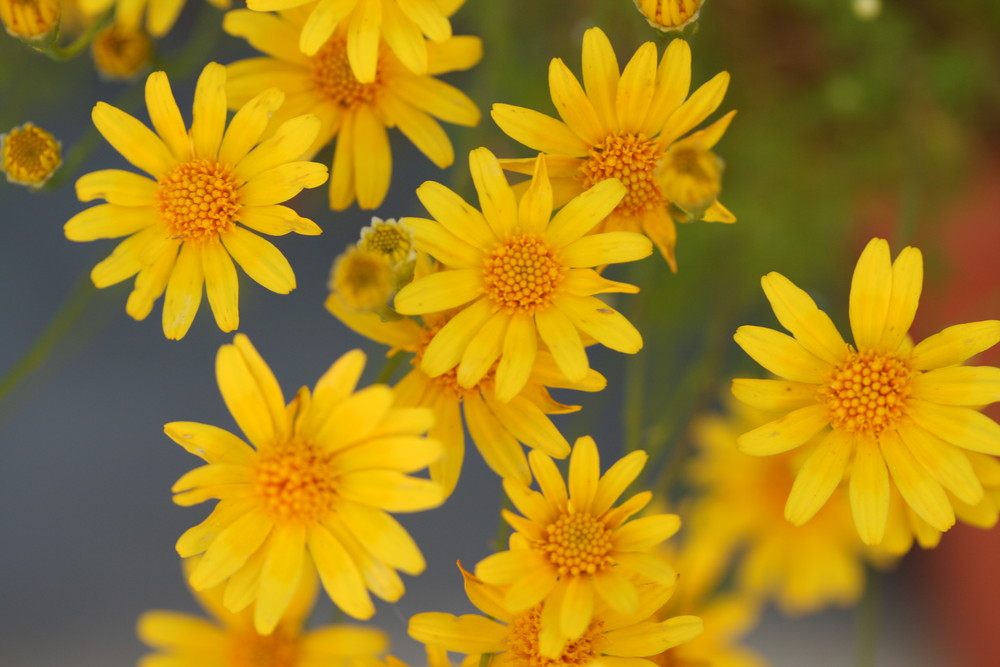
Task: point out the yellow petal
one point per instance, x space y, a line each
198 538
577 606
466 634
268 33
425 133
351 420
782 355
871 289
798 313
496 199
816 481
281 183
390 490
184 289
221 285
279 578
404 38
230 549
774 395
587 282
321 22
456 215
785 433
645 532
108 221
137 143
600 75
646 638
959 385
383 536
538 131
947 464
499 448
636 88
924 495
440 291
702 103
211 443
458 53
955 344
362 39
572 104
617 478
123 188
584 473
596 318
339 573
606 248
276 220
583 212
260 259
535 207
433 238
907 281
150 283
166 117
483 350
560 335
445 350
673 81
373 165
869 492
288 143
249 395
209 111
520 346
960 426
429 16
530 425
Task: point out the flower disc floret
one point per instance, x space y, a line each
522 274
29 155
631 158
333 78
577 543
525 651
198 200
296 481
867 393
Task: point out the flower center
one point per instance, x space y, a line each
363 279
691 177
578 544
522 274
388 238
279 649
296 482
449 379
868 392
631 158
198 200
522 640
30 155
333 78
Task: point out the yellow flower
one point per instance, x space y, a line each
885 407
727 618
403 26
496 428
314 491
519 274
161 15
186 640
572 549
121 54
626 125
391 238
363 279
29 155
182 227
737 521
611 636
357 114
670 14
33 20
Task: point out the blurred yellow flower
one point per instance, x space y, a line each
212 187
314 490
520 274
670 14
186 640
363 279
29 155
627 125
572 550
356 114
496 428
403 26
33 20
120 54
161 15
612 636
885 406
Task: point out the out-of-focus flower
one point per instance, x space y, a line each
357 114
32 20
624 638
670 14
119 53
212 186
572 549
629 125
29 155
186 640
885 407
363 279
161 15
519 274
313 492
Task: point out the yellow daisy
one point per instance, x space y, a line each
186 640
497 429
736 523
670 14
885 407
403 24
630 125
182 224
315 486
572 548
161 15
611 636
29 155
357 114
520 274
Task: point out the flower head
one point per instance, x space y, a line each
29 155
629 125
519 274
160 15
517 638
313 491
211 189
497 429
670 14
185 640
121 54
32 20
573 547
887 409
357 114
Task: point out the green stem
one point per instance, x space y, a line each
868 615
73 49
62 323
389 368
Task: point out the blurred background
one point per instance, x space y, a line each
855 120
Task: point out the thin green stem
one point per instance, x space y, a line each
62 323
868 619
62 53
485 659
389 368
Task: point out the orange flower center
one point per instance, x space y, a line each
578 544
633 159
198 200
279 649
522 274
868 392
522 640
30 155
333 78
296 482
